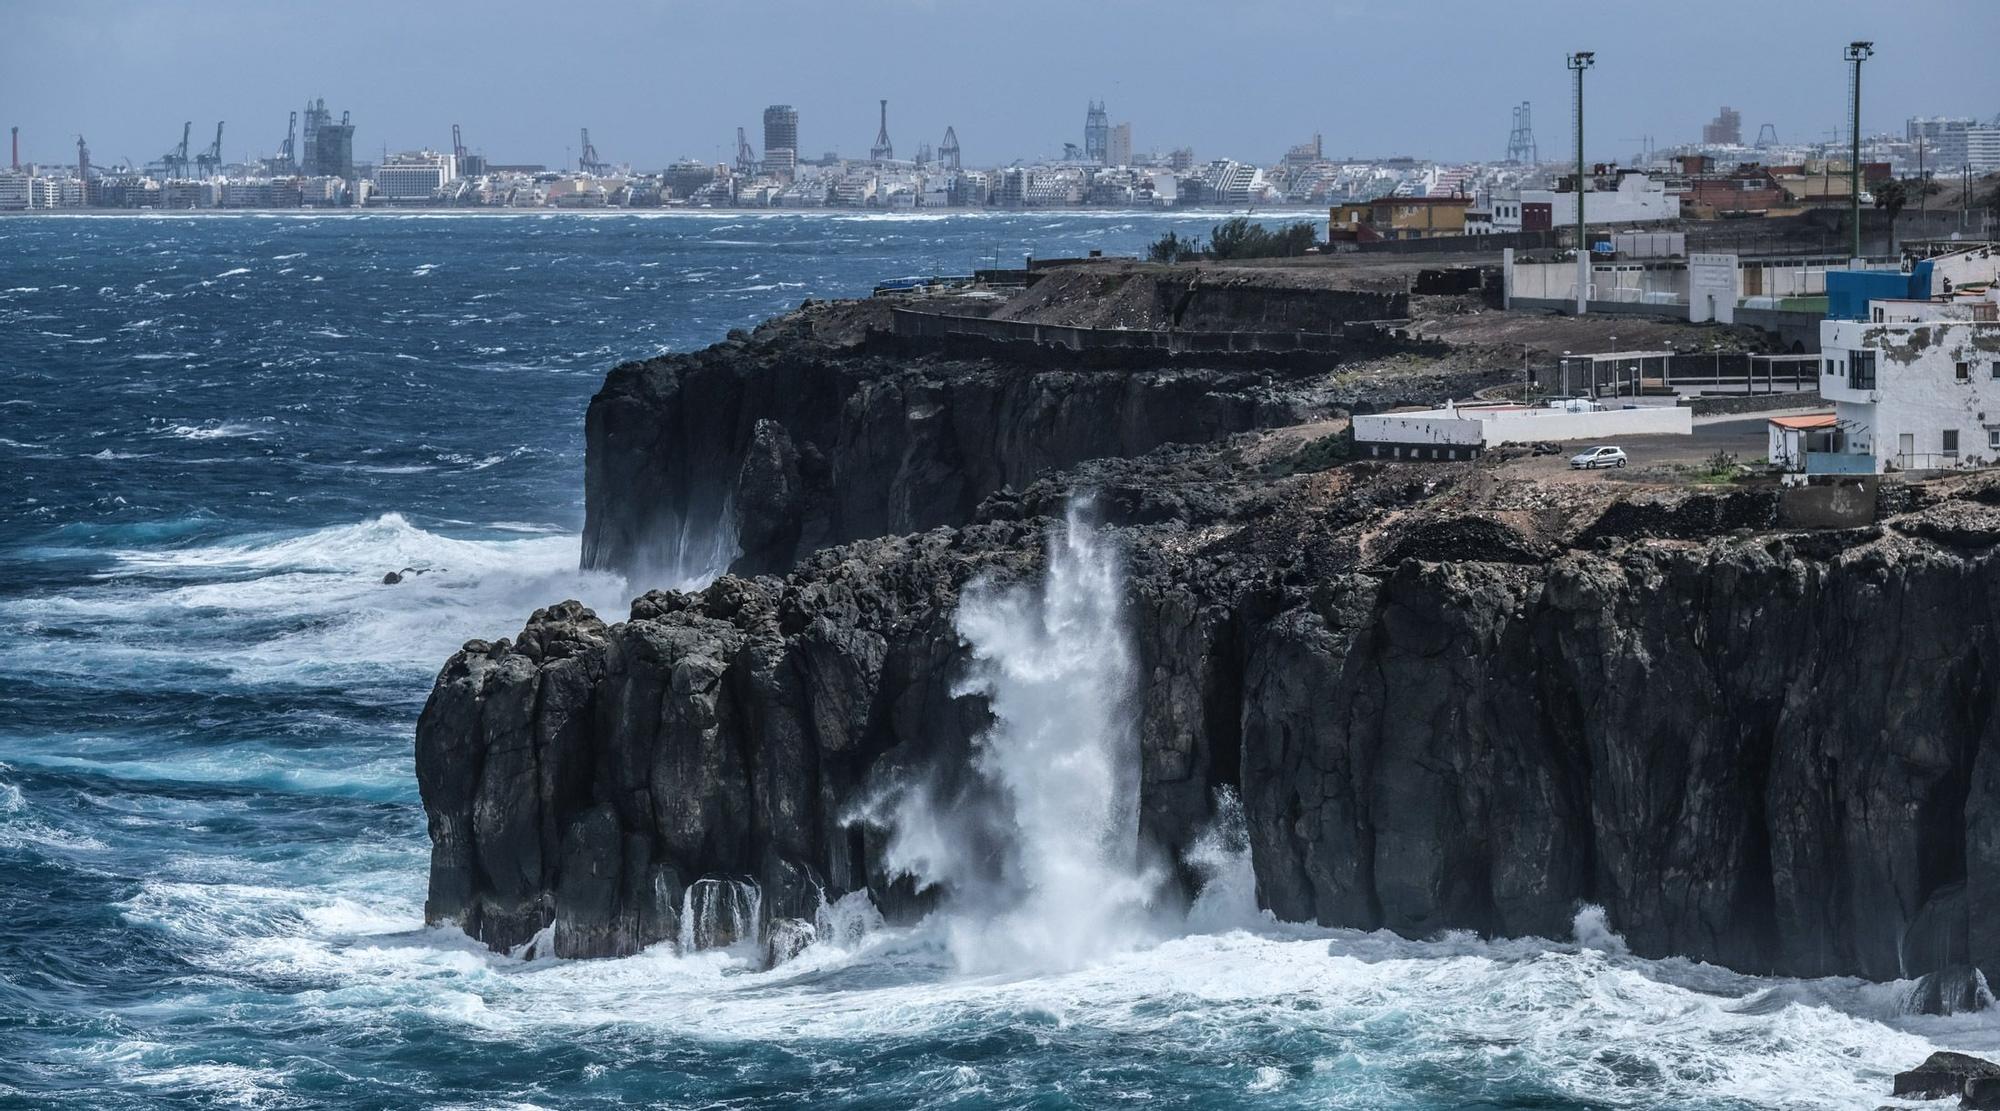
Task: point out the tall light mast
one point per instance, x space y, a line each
1578 62
1857 53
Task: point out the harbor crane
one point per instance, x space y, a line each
746 158
174 163
457 145
288 154
587 161
211 159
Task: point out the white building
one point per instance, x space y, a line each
1637 200
1914 387
414 175
1465 431
15 192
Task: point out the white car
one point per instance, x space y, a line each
1589 459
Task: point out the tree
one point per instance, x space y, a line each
1172 248
1892 196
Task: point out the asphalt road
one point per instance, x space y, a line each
1745 437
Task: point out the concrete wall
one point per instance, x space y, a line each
1842 502
1491 428
1346 338
1532 425
1428 428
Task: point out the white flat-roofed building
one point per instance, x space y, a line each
414 175
1914 387
16 194
1465 431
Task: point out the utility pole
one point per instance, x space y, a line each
1857 53
1578 62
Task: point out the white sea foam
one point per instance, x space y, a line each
1043 870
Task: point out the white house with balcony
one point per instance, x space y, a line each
1916 386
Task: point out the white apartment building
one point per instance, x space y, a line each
15 192
414 175
1637 200
1915 387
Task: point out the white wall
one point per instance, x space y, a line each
1530 425
1714 285
1917 390
1429 427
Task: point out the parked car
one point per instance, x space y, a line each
1589 459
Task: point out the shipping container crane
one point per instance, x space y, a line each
457 144
746 158
288 157
588 161
211 159
174 163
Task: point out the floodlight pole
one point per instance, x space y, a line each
1857 53
1578 62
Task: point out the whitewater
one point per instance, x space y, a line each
219 435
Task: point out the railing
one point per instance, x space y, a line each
1924 460
1839 462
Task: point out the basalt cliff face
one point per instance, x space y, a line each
822 427
1445 698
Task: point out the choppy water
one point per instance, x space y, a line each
217 434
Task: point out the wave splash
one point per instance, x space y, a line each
1045 873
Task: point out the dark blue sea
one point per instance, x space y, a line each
218 433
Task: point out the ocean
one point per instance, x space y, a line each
218 433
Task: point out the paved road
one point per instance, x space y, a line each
1745 437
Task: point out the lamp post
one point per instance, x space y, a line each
1857 53
1578 62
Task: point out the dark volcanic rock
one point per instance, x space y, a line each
1776 756
1944 1076
791 443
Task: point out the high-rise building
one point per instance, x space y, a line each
1943 139
1118 151
1726 129
1096 133
329 147
781 130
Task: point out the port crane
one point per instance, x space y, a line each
174 163
588 161
211 159
746 158
457 145
288 158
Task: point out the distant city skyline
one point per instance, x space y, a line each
660 81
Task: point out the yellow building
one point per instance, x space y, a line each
1398 218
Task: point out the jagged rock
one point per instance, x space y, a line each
1443 705
1771 755
788 937
1946 1076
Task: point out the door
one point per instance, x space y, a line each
1906 449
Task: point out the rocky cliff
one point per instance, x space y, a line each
819 429
1446 702
1447 697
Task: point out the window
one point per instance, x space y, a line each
1965 372
1829 367
1951 441
1996 370
1993 439
1861 370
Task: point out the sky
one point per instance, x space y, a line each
656 80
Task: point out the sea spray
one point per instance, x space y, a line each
1051 877
1226 892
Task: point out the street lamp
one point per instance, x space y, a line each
1578 62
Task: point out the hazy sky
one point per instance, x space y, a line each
664 79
